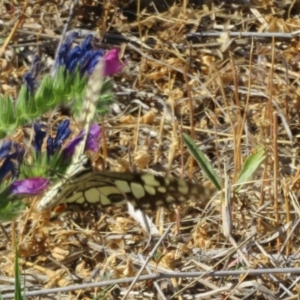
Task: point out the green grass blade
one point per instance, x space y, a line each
202 161
18 289
251 164
11 211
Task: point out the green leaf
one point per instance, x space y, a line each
44 96
202 161
11 210
10 205
60 85
106 98
5 198
251 164
41 166
18 286
25 106
36 167
8 119
63 88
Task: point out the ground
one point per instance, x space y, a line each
211 69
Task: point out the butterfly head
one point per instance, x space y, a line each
52 197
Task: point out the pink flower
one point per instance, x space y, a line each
112 62
30 186
92 143
93 140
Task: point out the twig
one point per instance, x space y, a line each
14 29
147 261
246 34
196 78
234 273
155 283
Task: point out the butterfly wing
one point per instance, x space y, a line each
143 191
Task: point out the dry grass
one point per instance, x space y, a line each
231 93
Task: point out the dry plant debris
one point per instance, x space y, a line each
186 72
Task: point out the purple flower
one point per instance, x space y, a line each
112 62
86 45
93 139
10 166
7 167
73 58
91 64
30 186
92 142
38 137
50 147
82 56
70 148
63 132
65 48
30 77
19 157
30 82
4 149
11 162
86 58
35 66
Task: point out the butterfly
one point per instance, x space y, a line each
82 184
